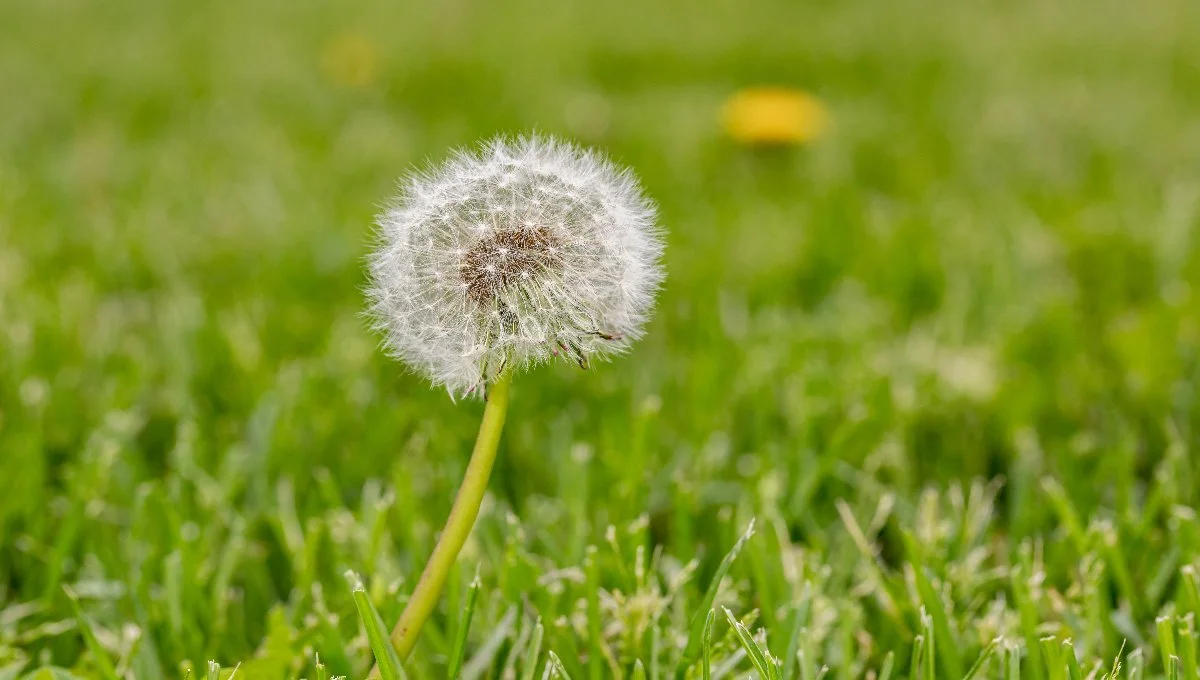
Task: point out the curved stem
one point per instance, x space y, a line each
458 525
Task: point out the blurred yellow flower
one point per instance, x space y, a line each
349 59
774 115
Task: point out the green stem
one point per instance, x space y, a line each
458 525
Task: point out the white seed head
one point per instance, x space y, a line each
505 257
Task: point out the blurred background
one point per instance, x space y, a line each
913 245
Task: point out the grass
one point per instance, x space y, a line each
945 359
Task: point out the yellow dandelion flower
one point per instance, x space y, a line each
774 115
349 60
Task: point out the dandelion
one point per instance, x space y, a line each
774 115
528 250
349 60
499 260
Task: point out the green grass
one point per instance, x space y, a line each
946 358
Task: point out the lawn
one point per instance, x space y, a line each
944 357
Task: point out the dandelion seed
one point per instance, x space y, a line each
576 267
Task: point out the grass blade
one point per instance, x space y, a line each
529 666
984 657
706 645
760 658
89 638
1068 516
386 659
1052 658
1191 589
595 640
929 663
939 623
1166 637
1187 649
464 626
889 664
696 627
1074 672
555 668
481 662
918 652
798 619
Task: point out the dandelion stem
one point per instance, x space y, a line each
461 520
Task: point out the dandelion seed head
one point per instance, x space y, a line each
504 257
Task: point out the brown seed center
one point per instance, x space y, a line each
505 258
